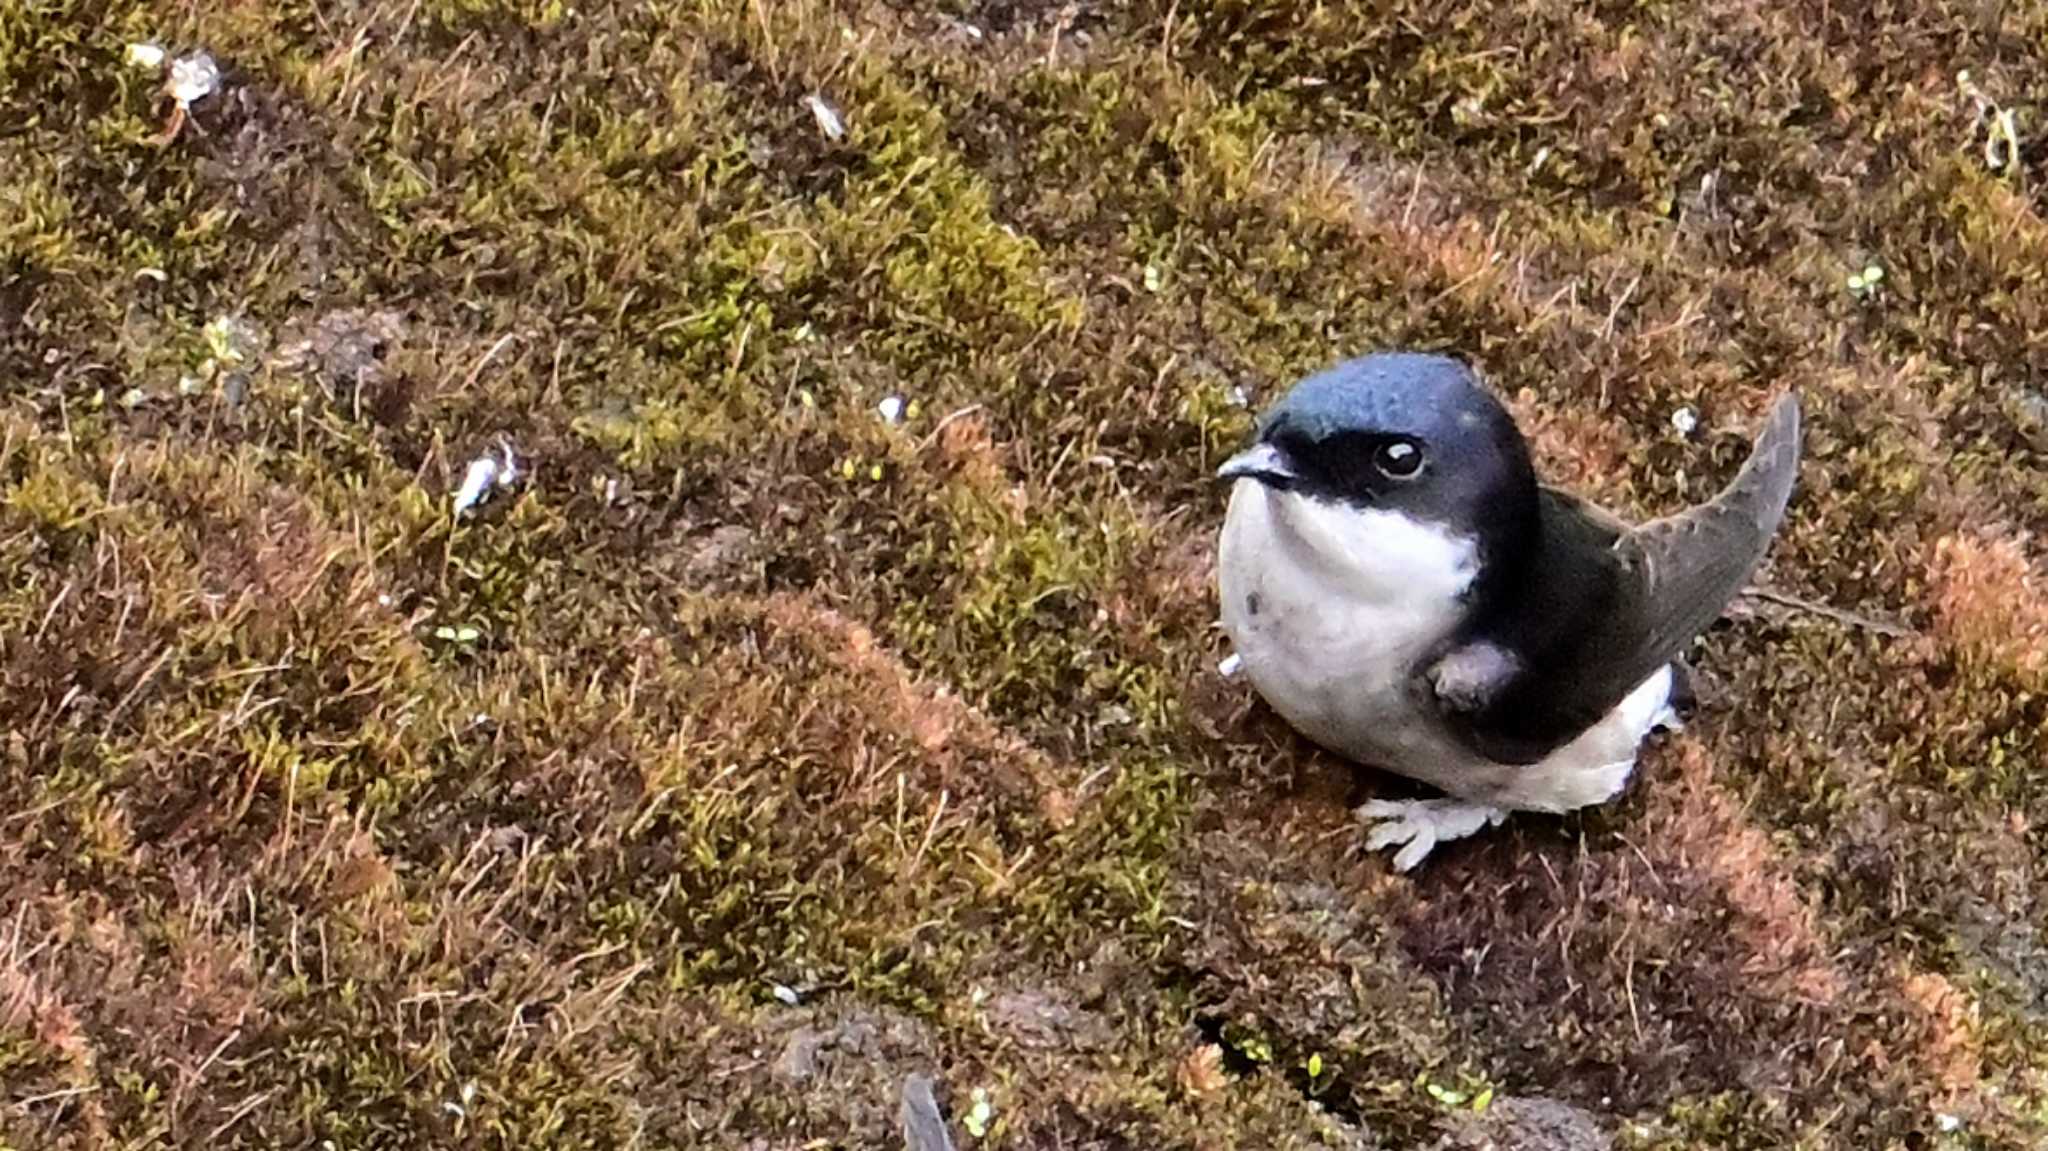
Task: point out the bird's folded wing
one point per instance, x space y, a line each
1654 588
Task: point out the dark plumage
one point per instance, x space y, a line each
1561 612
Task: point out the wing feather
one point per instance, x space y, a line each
1616 615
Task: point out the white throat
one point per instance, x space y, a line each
1331 608
1371 555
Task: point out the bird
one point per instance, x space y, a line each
1398 585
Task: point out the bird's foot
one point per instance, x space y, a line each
1421 824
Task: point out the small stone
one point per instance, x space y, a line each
785 994
1231 665
147 57
1685 421
2032 409
476 483
486 473
891 409
193 78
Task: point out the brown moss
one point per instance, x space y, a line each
1988 598
331 817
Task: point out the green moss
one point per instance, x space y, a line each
742 687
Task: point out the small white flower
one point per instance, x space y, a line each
1949 1124
786 994
1685 421
891 409
827 117
148 57
193 78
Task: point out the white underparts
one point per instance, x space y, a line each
1332 608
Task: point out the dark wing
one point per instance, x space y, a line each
1596 621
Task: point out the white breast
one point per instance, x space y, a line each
1332 608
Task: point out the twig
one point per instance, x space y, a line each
943 424
930 832
121 708
240 1113
53 1096
1613 313
470 381
1838 615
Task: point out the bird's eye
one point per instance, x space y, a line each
1398 460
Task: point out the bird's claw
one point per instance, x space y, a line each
1421 824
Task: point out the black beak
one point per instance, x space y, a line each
1262 462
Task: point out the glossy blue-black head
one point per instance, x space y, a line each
1402 431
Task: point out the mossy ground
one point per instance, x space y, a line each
328 820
